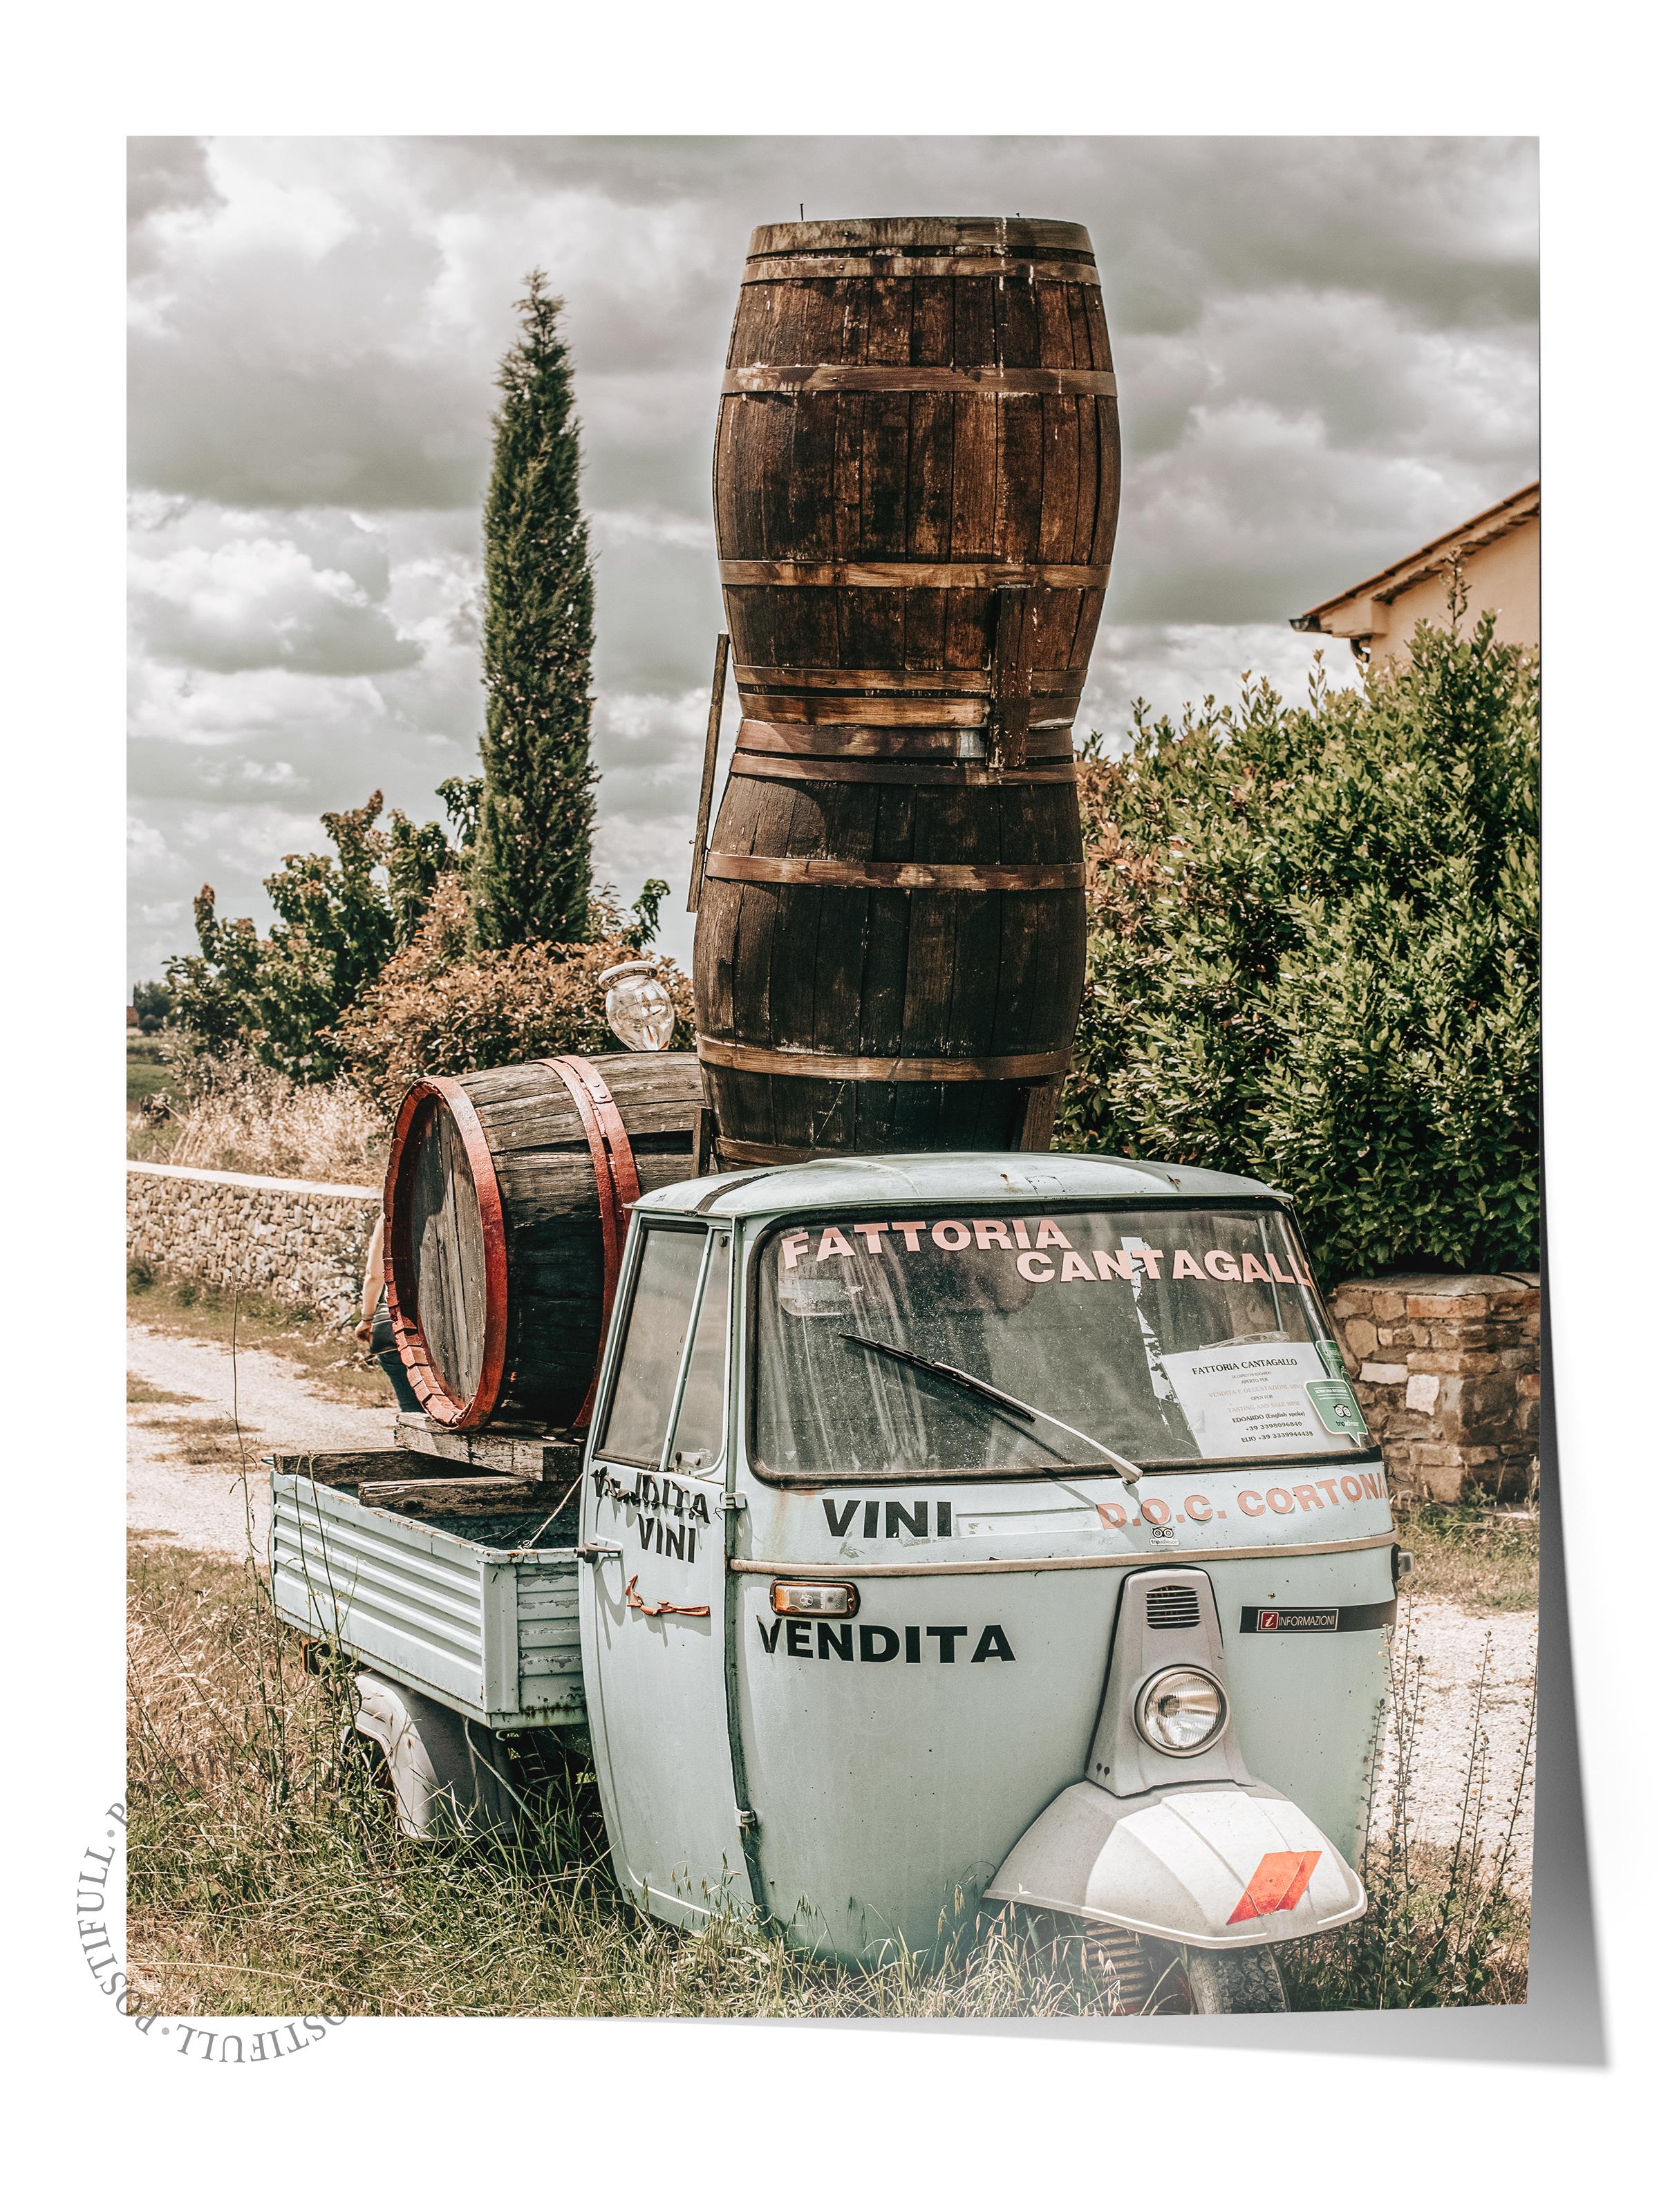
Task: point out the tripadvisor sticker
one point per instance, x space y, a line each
1337 1408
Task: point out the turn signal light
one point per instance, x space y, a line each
817 1599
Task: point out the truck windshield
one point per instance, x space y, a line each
1171 1336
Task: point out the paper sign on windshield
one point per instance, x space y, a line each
1250 1400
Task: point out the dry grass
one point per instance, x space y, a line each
255 1120
1482 1558
148 1139
1446 1926
207 1440
265 1874
140 1393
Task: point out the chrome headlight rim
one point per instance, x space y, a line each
1148 1690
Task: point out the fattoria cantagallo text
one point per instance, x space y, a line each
1042 1252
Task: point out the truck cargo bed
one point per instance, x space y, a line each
477 1607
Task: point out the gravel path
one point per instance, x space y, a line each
1438 1650
184 1485
183 1466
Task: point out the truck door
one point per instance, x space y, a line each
653 1613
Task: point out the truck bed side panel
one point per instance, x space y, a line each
489 1634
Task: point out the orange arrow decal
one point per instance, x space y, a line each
1276 1884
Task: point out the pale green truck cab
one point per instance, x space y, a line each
998 1526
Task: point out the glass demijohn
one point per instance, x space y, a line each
638 1008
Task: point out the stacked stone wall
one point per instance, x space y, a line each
300 1244
1447 1369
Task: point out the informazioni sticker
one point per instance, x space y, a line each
98 1890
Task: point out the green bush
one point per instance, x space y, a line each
444 1004
340 918
153 1003
1314 953
373 968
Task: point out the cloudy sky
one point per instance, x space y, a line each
1326 354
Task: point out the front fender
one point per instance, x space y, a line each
1222 1867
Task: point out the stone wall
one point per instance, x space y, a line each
1447 1367
297 1244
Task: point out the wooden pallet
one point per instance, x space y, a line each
519 1449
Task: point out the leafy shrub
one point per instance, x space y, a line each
373 958
340 917
443 1007
1314 953
153 1003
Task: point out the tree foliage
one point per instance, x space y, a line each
340 917
443 1005
153 1003
1314 953
530 871
373 960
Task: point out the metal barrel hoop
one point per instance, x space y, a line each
615 1181
406 1330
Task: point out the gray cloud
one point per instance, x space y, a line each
261 603
165 175
1326 354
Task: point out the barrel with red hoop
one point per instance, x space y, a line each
506 1200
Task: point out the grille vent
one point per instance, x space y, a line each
1172 1605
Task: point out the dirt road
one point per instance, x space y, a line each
185 1460
185 1485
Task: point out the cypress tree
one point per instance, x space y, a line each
530 871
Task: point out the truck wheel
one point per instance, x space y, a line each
442 1767
1234 1981
1136 1976
1126 1974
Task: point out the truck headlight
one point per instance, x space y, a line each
1182 1711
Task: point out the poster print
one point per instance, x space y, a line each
859 1388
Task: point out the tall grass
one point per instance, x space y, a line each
266 1874
1447 1925
257 1120
266 1871
1480 1556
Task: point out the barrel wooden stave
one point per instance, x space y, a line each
917 415
921 475
965 975
538 1288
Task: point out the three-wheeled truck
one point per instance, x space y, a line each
951 1529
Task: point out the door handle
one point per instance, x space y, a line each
597 1551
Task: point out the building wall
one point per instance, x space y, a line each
299 1244
1503 575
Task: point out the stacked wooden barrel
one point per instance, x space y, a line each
915 494
506 1198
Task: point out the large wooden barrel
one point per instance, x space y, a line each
915 495
505 1202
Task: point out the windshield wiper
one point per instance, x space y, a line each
1003 1402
